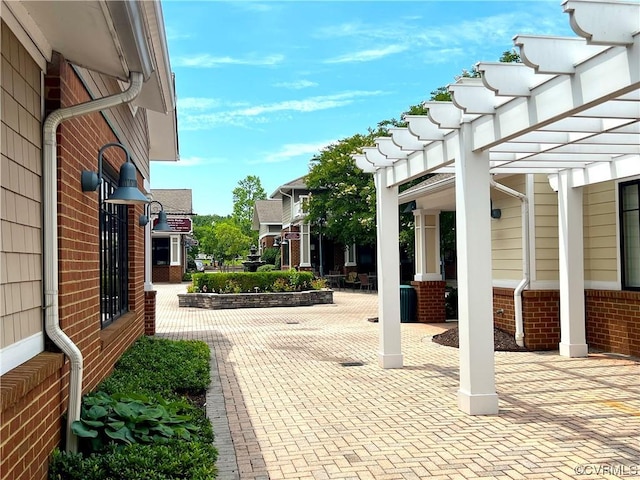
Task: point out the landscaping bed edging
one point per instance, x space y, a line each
219 301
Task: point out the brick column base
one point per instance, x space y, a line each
430 308
150 312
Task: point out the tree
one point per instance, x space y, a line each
342 194
244 198
229 241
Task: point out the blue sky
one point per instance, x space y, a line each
263 86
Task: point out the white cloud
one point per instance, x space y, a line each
257 114
198 103
297 85
294 150
368 55
209 61
175 34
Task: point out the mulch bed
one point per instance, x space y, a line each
503 341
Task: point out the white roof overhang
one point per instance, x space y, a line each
110 37
573 104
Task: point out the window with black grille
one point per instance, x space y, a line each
114 261
630 234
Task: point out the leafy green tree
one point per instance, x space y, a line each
229 241
343 196
244 198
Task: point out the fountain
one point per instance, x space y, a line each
253 260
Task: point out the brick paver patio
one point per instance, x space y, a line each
284 406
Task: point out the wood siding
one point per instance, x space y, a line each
506 231
600 233
21 213
545 253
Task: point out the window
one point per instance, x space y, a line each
630 234
160 251
114 259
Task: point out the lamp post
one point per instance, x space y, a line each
321 222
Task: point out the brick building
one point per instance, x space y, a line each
169 249
87 98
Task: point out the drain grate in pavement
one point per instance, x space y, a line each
352 364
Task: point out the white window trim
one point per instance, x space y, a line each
174 260
21 351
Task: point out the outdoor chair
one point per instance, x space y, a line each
352 280
364 282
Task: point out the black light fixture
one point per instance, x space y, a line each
276 242
161 225
127 192
496 213
411 206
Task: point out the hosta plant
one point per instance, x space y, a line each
132 418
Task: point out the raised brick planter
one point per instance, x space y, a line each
216 301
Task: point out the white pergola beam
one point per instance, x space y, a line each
603 23
510 79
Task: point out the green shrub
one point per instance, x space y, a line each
132 418
161 366
247 281
186 277
451 303
267 267
269 255
174 461
318 283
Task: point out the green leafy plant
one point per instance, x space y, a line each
267 267
318 283
281 285
265 281
231 286
132 418
176 460
160 366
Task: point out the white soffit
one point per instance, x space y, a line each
574 103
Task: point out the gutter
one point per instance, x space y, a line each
526 259
51 259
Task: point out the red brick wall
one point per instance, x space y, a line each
540 316
431 299
34 395
150 312
504 316
613 321
30 417
166 274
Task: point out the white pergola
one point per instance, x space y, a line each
570 110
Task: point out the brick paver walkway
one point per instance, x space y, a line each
285 408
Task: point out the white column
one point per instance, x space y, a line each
477 394
390 355
148 284
305 245
420 244
427 245
573 341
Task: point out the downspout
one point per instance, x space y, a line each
50 210
526 256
